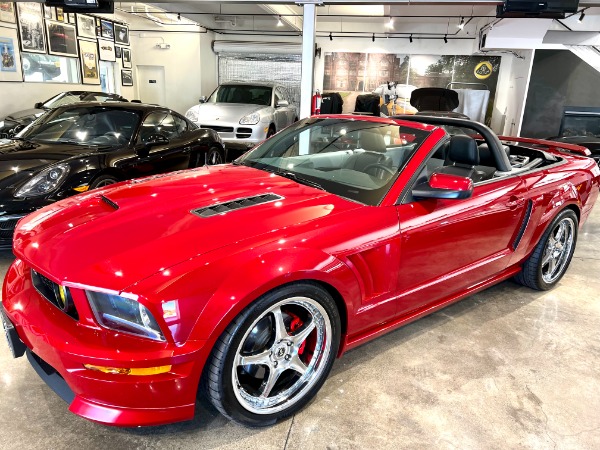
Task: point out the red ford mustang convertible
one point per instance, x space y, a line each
245 281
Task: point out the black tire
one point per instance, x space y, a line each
214 156
271 131
102 180
537 272
253 333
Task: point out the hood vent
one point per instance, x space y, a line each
240 203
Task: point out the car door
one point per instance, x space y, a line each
449 246
161 144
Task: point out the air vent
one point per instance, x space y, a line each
223 208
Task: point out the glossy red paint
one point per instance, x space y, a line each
386 265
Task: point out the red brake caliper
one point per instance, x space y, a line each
294 325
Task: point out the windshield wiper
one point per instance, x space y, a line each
297 179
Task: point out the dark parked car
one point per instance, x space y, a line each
592 143
14 122
81 147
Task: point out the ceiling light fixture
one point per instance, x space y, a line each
410 39
390 24
581 16
279 22
330 36
445 38
461 25
373 38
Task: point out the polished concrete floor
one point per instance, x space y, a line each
506 368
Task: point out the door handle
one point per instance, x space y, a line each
515 202
187 149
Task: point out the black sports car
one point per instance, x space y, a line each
80 147
16 121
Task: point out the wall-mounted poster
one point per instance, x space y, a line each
126 53
10 67
108 31
126 78
31 27
117 52
7 12
60 15
86 27
106 50
88 53
70 18
49 13
121 34
62 39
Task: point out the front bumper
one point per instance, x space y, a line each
61 345
238 137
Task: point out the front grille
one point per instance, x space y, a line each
243 133
218 129
223 208
8 224
52 292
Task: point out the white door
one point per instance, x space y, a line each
151 84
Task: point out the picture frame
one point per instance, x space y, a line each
126 58
126 78
7 12
88 56
60 15
86 27
62 39
107 29
118 52
70 18
49 13
10 57
98 27
31 27
106 50
121 34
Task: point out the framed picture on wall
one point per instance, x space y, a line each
31 27
86 27
106 50
121 34
126 54
88 54
49 13
60 15
7 12
107 29
126 78
62 39
10 67
70 18
117 52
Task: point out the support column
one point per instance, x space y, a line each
308 58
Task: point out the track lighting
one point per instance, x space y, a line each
445 38
461 25
330 36
581 17
373 38
410 39
279 22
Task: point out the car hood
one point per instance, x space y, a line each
224 112
139 228
27 115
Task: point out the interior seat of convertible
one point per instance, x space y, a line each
463 158
373 153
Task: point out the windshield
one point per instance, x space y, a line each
242 93
68 98
97 125
355 159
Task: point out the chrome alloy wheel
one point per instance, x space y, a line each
213 158
558 249
281 356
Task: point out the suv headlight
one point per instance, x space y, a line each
192 115
250 119
44 182
124 315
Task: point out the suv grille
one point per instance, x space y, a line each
218 129
52 292
223 208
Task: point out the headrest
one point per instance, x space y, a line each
485 155
463 150
372 141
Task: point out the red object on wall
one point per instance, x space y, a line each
316 103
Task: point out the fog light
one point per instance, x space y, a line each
129 371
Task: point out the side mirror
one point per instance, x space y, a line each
202 99
282 103
39 105
444 186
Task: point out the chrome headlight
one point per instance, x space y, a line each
44 182
250 119
124 315
192 114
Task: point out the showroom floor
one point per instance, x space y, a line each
506 368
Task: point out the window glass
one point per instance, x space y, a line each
242 93
164 124
48 68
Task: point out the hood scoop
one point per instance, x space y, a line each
240 203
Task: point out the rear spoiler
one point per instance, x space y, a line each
570 148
